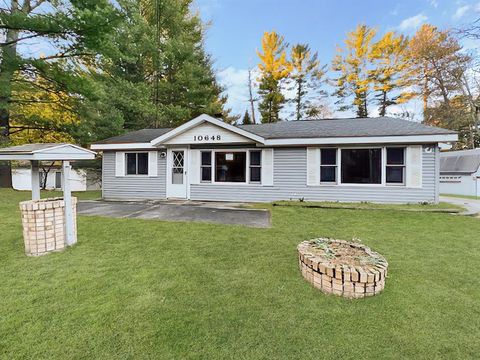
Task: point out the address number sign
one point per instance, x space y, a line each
207 138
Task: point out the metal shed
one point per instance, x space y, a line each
459 172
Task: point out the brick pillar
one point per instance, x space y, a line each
44 225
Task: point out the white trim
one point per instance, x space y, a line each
411 139
52 157
383 182
247 181
125 146
61 146
364 140
199 120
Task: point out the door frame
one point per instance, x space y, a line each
169 184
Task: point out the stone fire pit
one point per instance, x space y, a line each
342 268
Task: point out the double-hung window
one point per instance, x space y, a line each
395 167
255 166
328 166
206 166
137 163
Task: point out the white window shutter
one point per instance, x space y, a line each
153 163
194 167
313 166
267 167
414 166
119 163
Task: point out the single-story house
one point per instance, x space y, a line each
372 159
460 172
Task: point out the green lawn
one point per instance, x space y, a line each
149 289
440 207
462 196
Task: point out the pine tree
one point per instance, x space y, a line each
390 73
307 76
351 64
247 119
274 68
162 75
74 31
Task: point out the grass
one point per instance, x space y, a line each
462 196
136 288
440 207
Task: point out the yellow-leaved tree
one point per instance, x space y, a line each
351 64
390 75
307 77
41 114
274 69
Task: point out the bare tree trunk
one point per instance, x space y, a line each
7 70
383 108
45 172
299 99
251 99
8 66
425 91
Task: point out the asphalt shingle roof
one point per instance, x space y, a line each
28 148
363 127
139 136
353 127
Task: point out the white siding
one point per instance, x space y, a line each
132 186
290 182
459 184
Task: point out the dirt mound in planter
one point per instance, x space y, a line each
342 268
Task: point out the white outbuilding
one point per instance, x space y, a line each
459 172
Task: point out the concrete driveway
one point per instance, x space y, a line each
472 206
221 213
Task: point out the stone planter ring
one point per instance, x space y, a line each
342 268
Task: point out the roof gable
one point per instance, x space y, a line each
205 129
51 152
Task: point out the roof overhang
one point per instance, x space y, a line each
205 119
123 146
59 152
410 139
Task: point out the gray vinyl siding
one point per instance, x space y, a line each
132 187
290 178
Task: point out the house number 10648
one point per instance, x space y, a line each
206 137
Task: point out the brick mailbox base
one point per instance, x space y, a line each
342 268
44 225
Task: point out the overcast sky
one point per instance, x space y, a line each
237 27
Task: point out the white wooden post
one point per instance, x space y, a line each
35 180
67 197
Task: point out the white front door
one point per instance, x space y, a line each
177 173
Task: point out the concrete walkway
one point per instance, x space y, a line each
221 213
472 206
